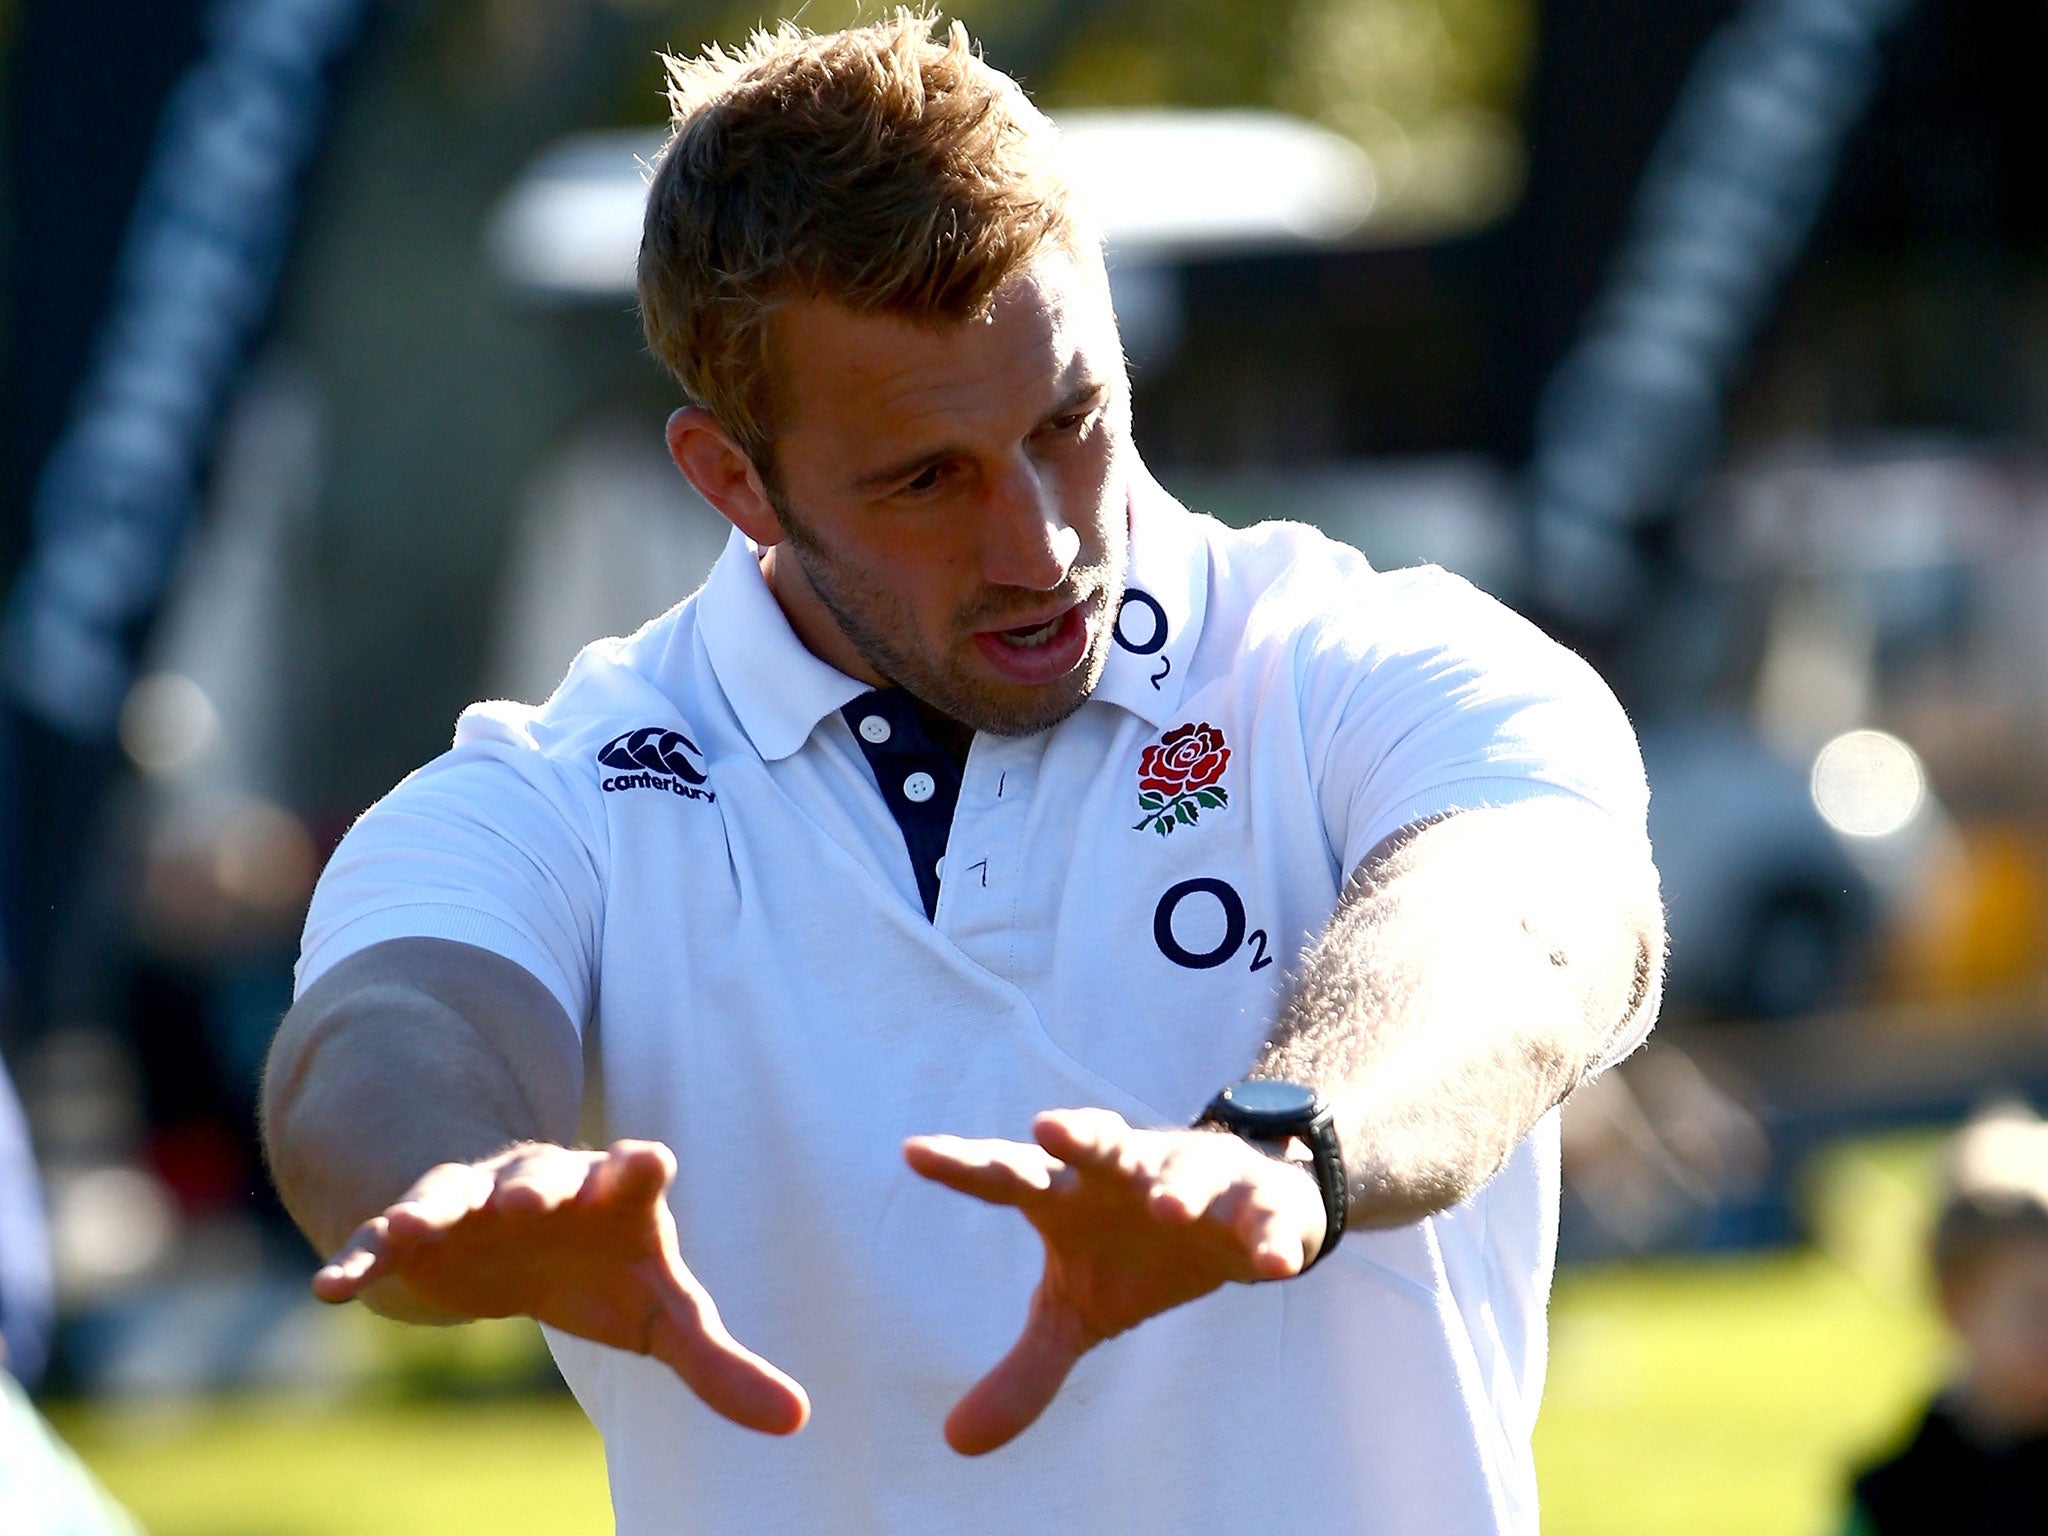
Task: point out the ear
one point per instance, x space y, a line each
723 474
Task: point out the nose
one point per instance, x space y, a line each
1025 539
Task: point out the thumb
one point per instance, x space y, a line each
683 1329
688 1336
1005 1402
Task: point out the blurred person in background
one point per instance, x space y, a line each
44 1489
863 262
26 1299
1977 1463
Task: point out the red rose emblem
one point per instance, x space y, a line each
1187 758
1177 777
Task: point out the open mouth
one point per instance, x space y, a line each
1027 637
1039 652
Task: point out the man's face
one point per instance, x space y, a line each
955 496
2000 1310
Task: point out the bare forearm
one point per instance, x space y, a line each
382 1070
357 1109
1468 981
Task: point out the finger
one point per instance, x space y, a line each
1292 1226
631 1171
1270 1219
441 1198
1187 1188
357 1264
1087 1138
1271 1236
543 1182
1001 1172
691 1339
1281 1256
1005 1402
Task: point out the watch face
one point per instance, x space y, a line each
1290 1100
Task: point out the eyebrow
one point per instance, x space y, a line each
903 469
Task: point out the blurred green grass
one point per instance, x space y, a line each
1734 1394
285 1467
1725 1397
1685 1398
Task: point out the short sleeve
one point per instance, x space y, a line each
489 845
1422 696
1427 697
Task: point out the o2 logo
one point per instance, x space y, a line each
1196 898
1153 640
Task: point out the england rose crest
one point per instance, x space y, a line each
1180 776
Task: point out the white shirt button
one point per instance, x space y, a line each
874 729
939 867
919 787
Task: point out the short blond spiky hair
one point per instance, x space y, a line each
881 167
1995 1187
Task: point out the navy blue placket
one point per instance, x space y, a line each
919 780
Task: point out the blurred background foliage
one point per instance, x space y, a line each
1432 89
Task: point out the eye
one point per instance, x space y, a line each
925 479
1070 423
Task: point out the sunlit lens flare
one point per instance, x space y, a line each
167 723
1868 784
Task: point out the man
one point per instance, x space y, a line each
1977 1458
980 780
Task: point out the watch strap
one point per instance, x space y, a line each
1327 1163
1316 1127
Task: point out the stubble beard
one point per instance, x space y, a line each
873 620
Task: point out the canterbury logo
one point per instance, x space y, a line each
655 749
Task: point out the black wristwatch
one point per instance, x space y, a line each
1267 1111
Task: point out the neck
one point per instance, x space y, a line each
823 638
810 618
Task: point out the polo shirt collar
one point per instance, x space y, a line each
1166 595
780 691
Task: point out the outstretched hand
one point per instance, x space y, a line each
1134 1222
581 1240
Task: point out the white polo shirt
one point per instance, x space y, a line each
718 851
